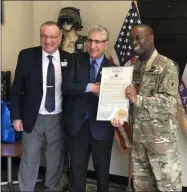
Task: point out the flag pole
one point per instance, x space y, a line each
136 3
129 170
130 152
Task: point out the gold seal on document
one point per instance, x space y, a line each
121 114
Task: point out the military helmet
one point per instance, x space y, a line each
70 15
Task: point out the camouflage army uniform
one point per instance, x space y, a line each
156 164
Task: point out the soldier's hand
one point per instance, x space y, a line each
131 94
116 122
18 125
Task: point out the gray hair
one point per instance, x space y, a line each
101 29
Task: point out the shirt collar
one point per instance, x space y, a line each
98 60
151 59
55 54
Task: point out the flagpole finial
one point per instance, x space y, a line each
136 4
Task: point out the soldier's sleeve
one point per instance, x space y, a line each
165 100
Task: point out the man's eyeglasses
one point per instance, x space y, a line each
98 42
49 37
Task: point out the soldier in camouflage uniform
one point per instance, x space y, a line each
156 164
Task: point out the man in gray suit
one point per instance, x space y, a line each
36 107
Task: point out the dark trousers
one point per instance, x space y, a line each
66 154
81 146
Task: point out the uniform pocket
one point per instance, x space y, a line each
149 84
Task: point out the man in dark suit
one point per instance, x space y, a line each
36 107
87 135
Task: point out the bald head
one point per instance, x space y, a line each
145 27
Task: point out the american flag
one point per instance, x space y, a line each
182 101
122 55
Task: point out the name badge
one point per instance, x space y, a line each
64 64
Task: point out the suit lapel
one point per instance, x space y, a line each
87 68
62 60
38 63
85 65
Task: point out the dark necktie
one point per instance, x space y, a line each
93 71
50 93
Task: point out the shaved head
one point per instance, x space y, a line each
146 27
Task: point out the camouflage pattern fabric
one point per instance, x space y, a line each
155 126
156 167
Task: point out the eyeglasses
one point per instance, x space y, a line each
49 37
98 42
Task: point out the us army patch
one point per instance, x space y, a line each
172 84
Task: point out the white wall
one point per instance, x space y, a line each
17 31
44 11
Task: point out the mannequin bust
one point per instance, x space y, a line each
70 22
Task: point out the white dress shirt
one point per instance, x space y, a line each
58 82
